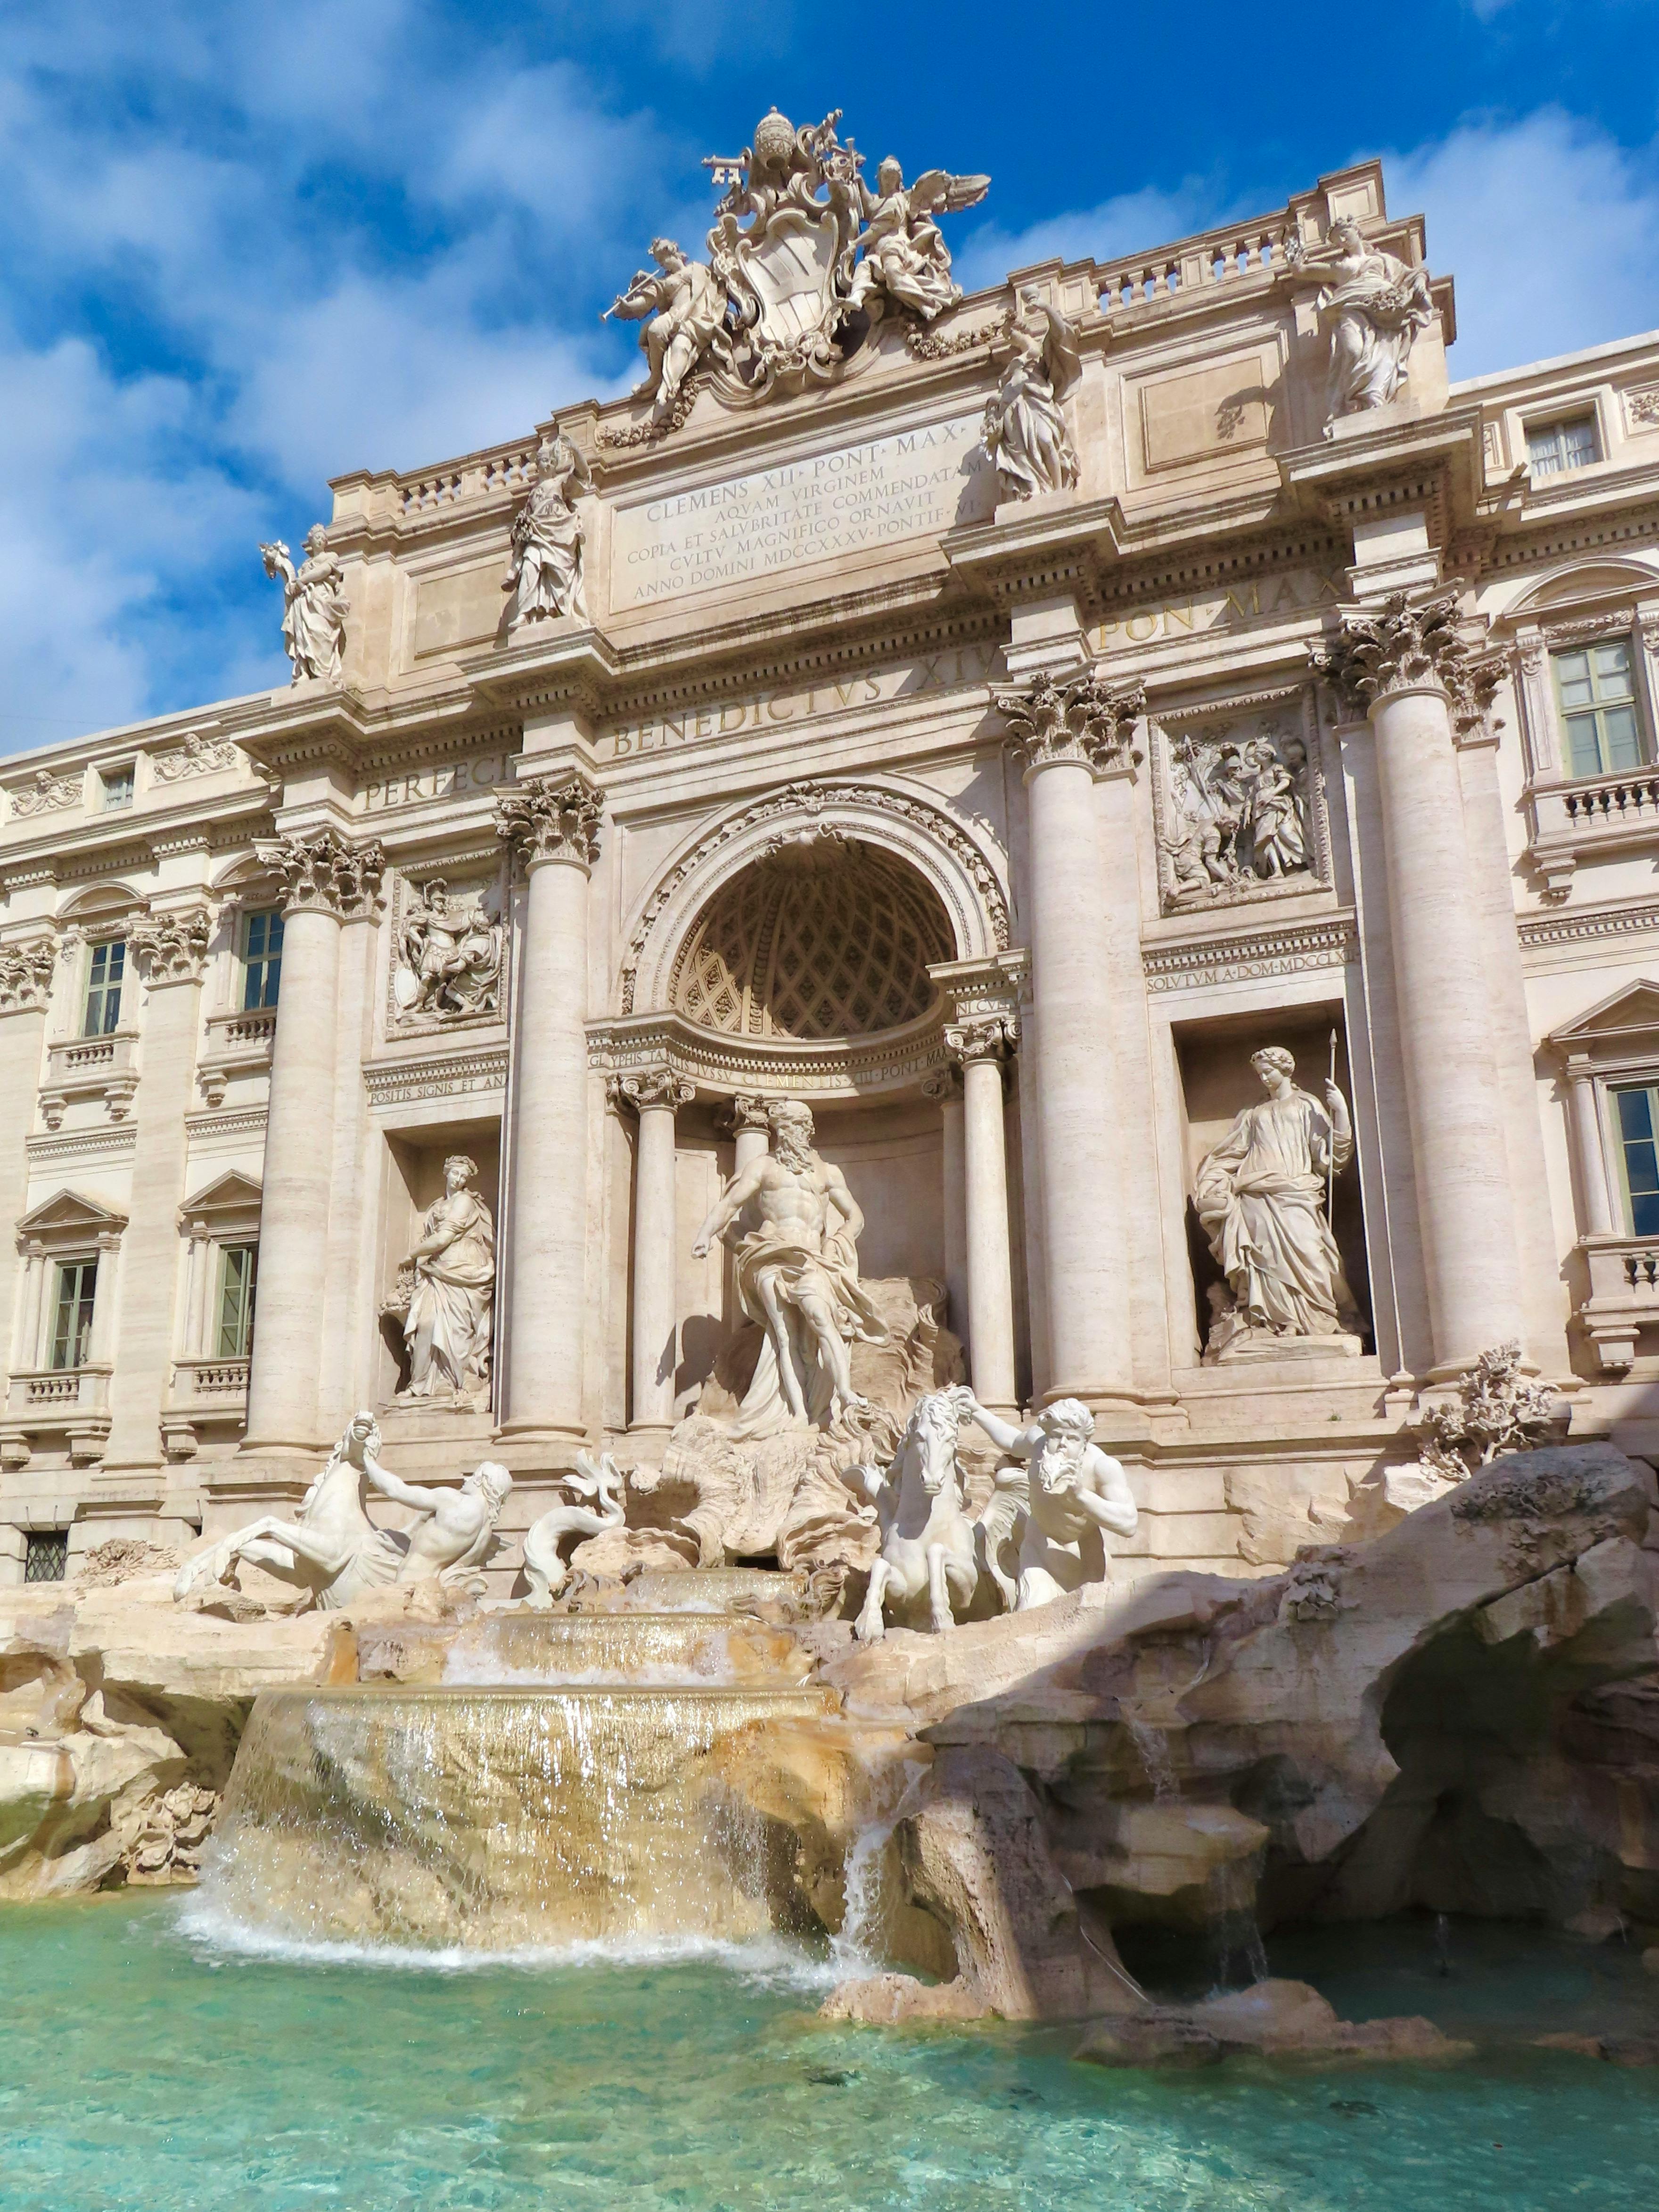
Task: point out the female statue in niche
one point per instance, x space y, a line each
1024 431
1261 1196
451 1296
545 574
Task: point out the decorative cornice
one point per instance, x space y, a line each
171 948
1085 719
1193 961
110 1144
544 820
324 874
1411 645
651 1087
25 973
889 1060
1584 925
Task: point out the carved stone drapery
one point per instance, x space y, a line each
194 754
322 874
544 820
25 973
48 793
1083 718
651 1086
1410 644
171 948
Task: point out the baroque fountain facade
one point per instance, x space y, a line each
914 1050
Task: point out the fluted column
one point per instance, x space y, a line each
1410 668
1068 733
655 1096
327 881
168 951
552 825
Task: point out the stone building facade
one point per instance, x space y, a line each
815 752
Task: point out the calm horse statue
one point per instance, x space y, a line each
330 1548
927 1538
546 1568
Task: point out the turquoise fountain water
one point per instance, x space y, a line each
147 2067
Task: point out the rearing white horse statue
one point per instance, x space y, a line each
330 1547
927 1538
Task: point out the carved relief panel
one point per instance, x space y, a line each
449 949
1237 802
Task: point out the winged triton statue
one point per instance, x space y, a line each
804 259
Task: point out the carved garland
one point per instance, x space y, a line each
812 799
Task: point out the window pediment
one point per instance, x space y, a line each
70 1215
228 1206
1628 1021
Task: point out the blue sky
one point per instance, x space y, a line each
252 245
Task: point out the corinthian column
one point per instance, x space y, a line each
655 1096
328 882
168 951
1410 668
552 826
1069 733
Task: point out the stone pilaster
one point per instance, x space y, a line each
1410 668
1069 731
551 824
26 978
946 1086
328 882
168 951
656 1095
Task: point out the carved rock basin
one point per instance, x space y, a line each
504 1816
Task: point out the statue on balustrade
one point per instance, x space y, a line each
450 1278
1263 1197
1371 310
1024 433
793 1228
1057 1521
545 575
314 605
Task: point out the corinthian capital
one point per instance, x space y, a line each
325 875
1410 645
651 1086
170 948
25 972
1081 718
545 820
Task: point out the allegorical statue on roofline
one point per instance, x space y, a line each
804 257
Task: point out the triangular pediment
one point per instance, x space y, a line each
233 1193
1629 1014
70 1211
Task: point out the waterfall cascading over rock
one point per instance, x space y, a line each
565 1804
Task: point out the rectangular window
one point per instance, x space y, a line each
1554 446
262 960
117 787
239 1271
1596 690
106 972
45 1554
71 1317
1637 1109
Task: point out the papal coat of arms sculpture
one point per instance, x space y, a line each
805 258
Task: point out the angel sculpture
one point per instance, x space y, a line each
314 605
545 573
686 309
1024 433
906 260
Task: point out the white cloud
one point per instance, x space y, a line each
1548 228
